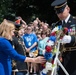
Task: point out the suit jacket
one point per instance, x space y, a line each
69 57
6 53
19 48
71 25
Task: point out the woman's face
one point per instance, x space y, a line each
12 32
21 32
43 36
7 29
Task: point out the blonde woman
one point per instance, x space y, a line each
7 52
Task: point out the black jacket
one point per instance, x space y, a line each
18 47
69 57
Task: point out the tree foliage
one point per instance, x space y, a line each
5 8
30 9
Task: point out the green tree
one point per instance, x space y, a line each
30 9
5 9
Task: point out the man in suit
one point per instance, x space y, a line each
67 20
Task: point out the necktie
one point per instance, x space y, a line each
64 24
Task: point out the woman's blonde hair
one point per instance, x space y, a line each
5 29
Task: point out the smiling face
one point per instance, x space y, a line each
43 34
21 32
29 29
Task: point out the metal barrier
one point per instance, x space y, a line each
15 71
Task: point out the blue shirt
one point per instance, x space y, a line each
29 40
41 44
6 53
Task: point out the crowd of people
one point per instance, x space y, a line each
12 47
31 40
21 42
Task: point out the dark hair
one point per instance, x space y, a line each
43 32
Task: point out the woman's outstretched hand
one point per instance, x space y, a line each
40 59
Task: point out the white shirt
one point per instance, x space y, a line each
66 20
